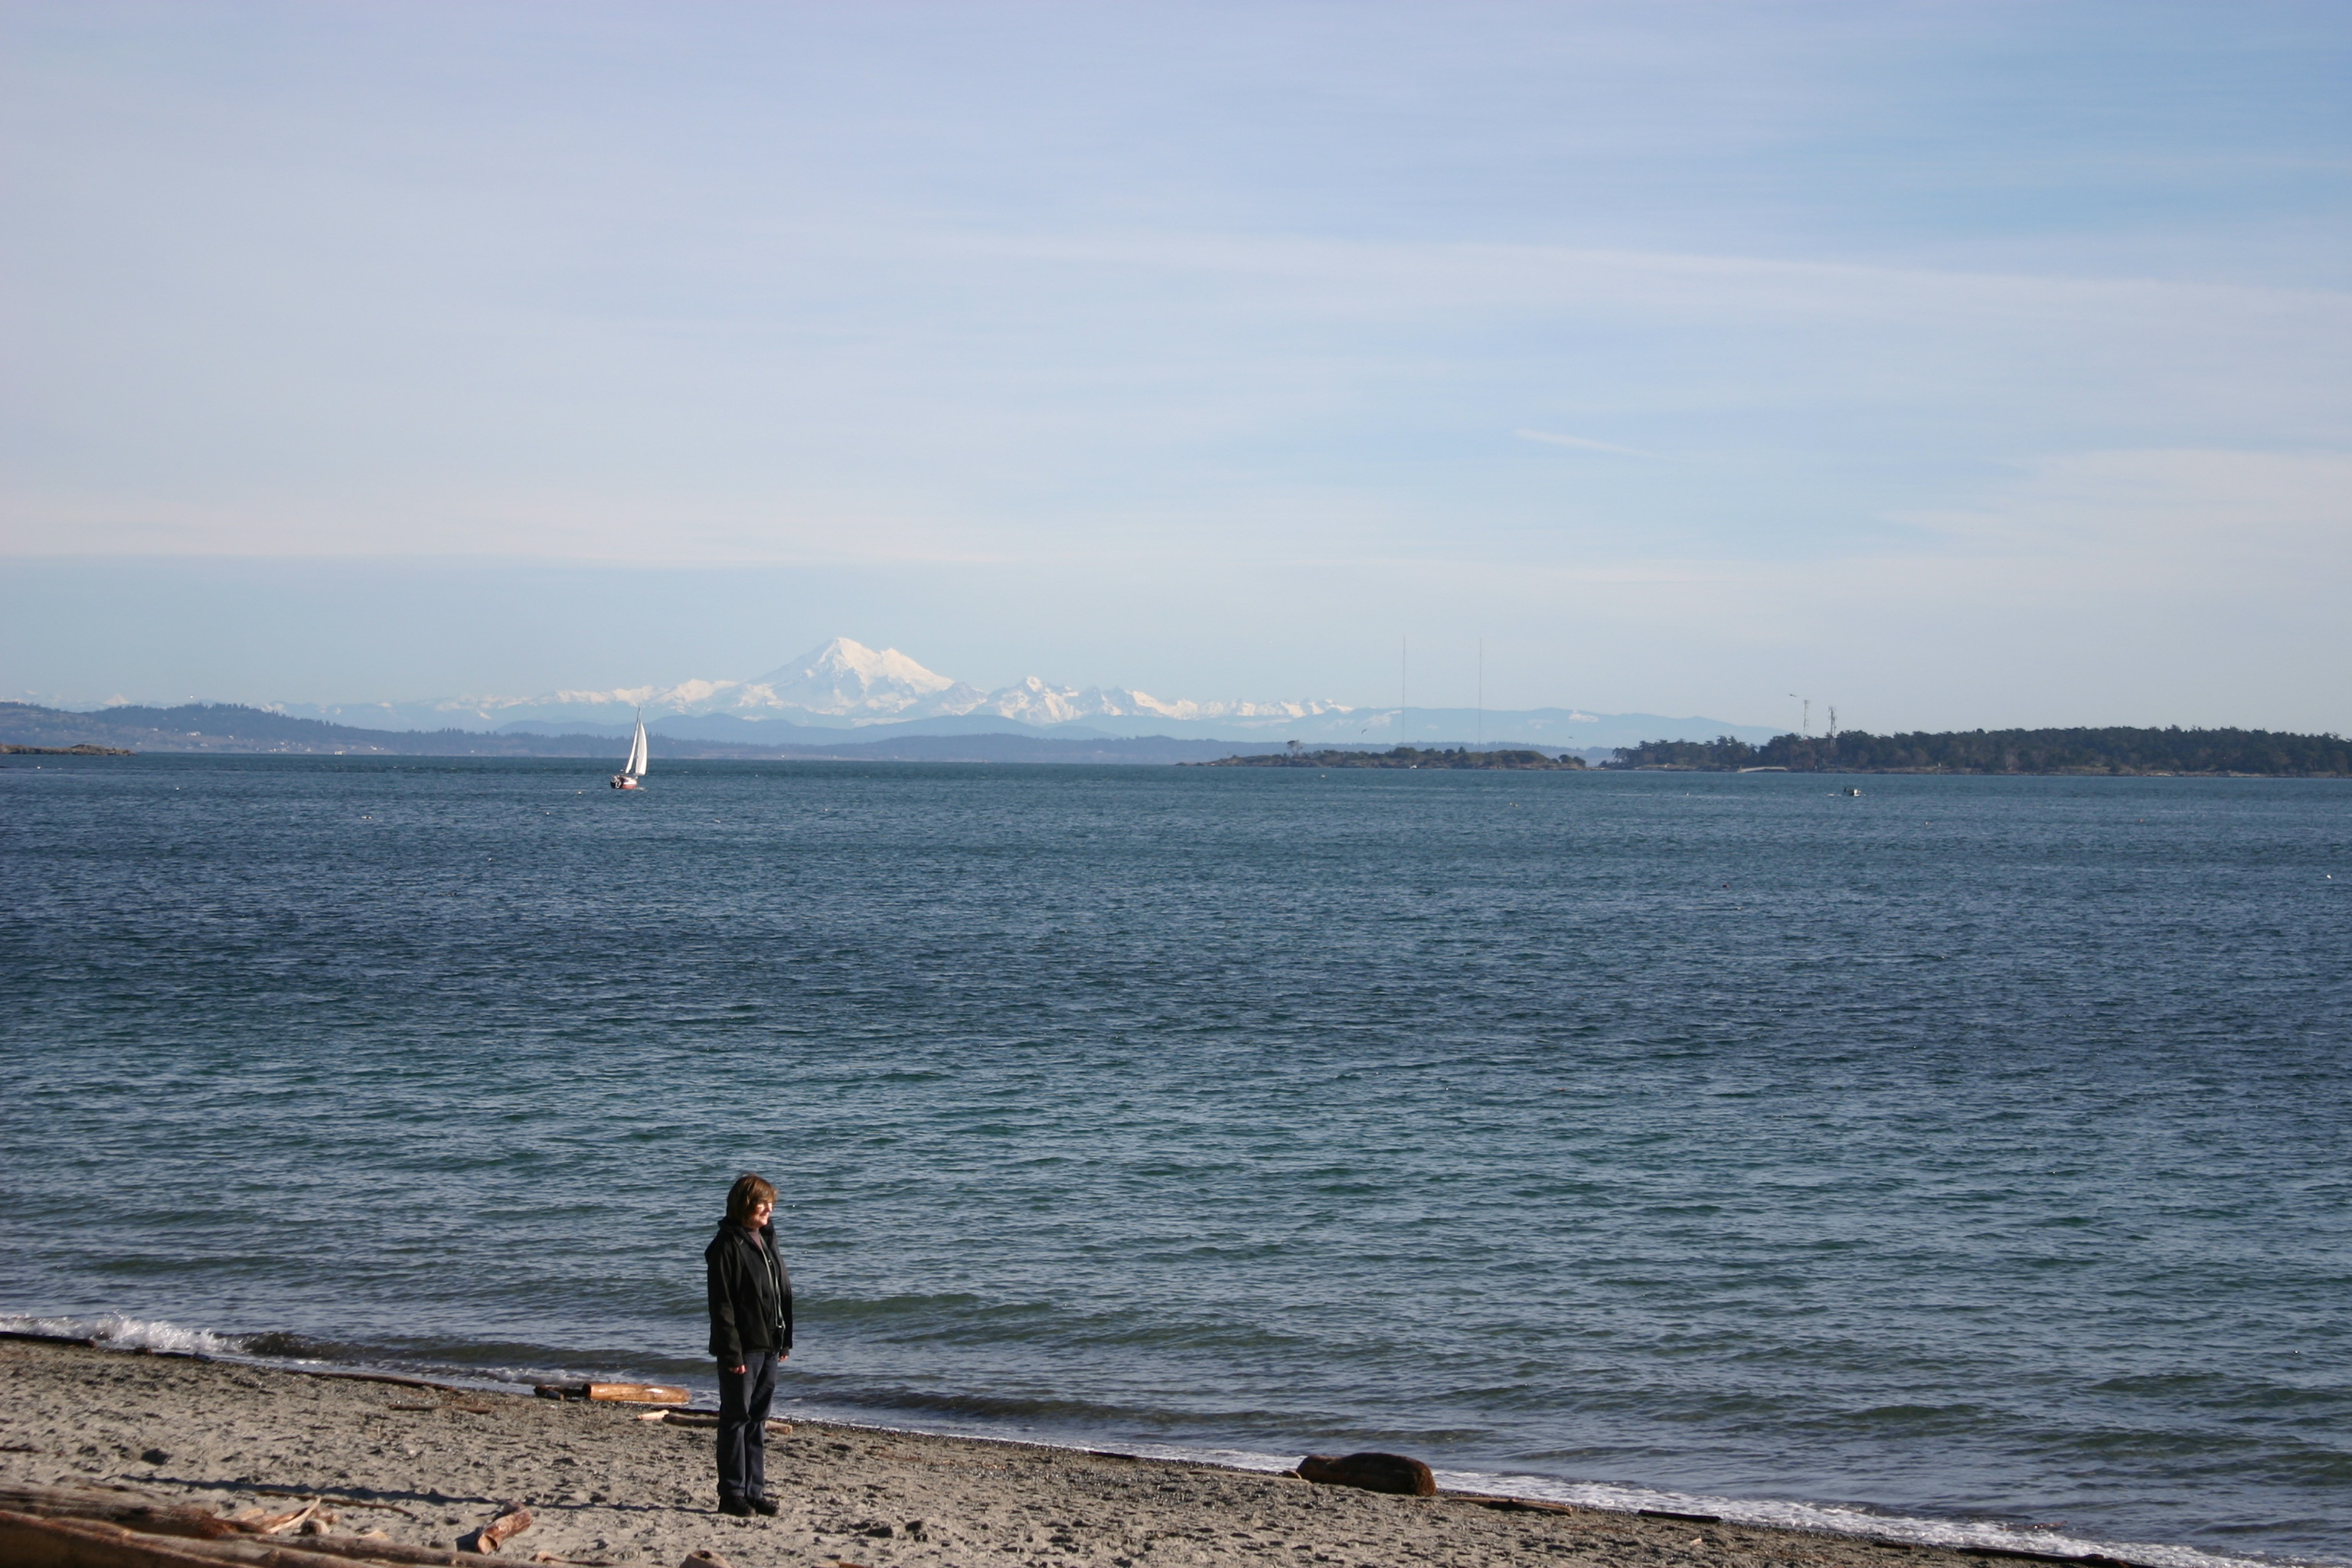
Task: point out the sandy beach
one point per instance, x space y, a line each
427 1466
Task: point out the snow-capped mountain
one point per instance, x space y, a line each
849 679
844 684
841 682
1034 702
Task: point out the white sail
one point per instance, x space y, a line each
636 766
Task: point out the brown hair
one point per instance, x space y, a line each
748 1193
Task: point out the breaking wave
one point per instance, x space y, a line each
117 1332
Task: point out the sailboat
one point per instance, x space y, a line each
634 768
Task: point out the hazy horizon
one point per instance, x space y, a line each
1957 364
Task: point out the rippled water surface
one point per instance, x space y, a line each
1973 1149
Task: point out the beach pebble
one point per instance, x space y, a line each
153 1456
706 1558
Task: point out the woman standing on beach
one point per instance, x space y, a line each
750 1332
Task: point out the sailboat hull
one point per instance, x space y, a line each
622 780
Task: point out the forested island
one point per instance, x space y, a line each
1401 757
2264 754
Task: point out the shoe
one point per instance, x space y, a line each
766 1505
735 1507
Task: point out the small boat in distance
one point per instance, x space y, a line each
634 768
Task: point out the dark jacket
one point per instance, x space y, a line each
751 1294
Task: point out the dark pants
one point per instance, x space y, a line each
743 1400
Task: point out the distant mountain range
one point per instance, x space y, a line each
845 685
227 729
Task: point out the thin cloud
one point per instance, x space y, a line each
1581 443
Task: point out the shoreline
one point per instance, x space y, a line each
425 1461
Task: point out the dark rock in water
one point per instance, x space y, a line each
1373 1472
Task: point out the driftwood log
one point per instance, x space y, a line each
261 1522
702 1418
146 1515
619 1392
127 1508
639 1392
511 1522
36 1540
62 1527
1373 1472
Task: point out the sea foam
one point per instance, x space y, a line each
117 1331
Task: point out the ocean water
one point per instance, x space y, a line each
1964 1161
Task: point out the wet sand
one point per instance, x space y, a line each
428 1466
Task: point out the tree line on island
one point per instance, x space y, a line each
2114 749
1401 757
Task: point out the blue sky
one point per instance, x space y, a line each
1961 365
